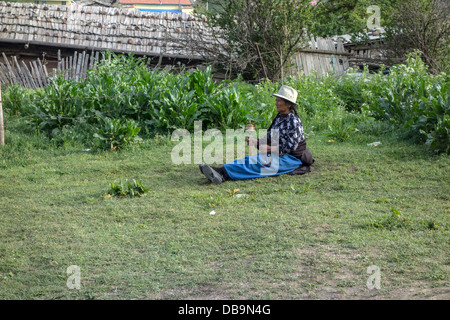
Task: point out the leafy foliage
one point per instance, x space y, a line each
412 98
421 25
124 101
116 133
257 38
130 189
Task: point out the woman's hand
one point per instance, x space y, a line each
264 149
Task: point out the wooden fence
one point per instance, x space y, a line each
76 67
13 72
35 75
323 56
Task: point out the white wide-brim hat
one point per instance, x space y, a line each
287 93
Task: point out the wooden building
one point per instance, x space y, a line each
29 31
321 57
54 34
368 51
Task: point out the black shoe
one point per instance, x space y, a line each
211 174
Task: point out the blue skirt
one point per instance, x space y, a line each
252 167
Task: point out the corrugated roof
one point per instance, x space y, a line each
99 28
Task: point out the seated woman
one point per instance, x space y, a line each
282 151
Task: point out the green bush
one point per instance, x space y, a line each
412 98
431 117
117 133
349 87
16 99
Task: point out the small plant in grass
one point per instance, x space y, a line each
303 189
394 221
130 189
430 224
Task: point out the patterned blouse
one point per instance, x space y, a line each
290 133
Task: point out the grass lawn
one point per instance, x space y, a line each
290 237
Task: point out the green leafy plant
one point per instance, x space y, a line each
349 87
58 105
16 100
432 117
130 189
412 98
227 108
124 98
117 133
340 133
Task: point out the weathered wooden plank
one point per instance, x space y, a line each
309 64
62 67
74 65
78 66
66 67
91 62
313 44
4 78
70 69
59 61
85 66
37 75
11 72
42 72
340 46
44 68
22 80
6 75
28 75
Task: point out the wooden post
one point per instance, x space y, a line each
59 62
2 127
42 72
21 77
11 73
28 75
38 76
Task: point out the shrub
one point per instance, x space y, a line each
349 87
410 97
431 117
16 99
117 133
318 106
